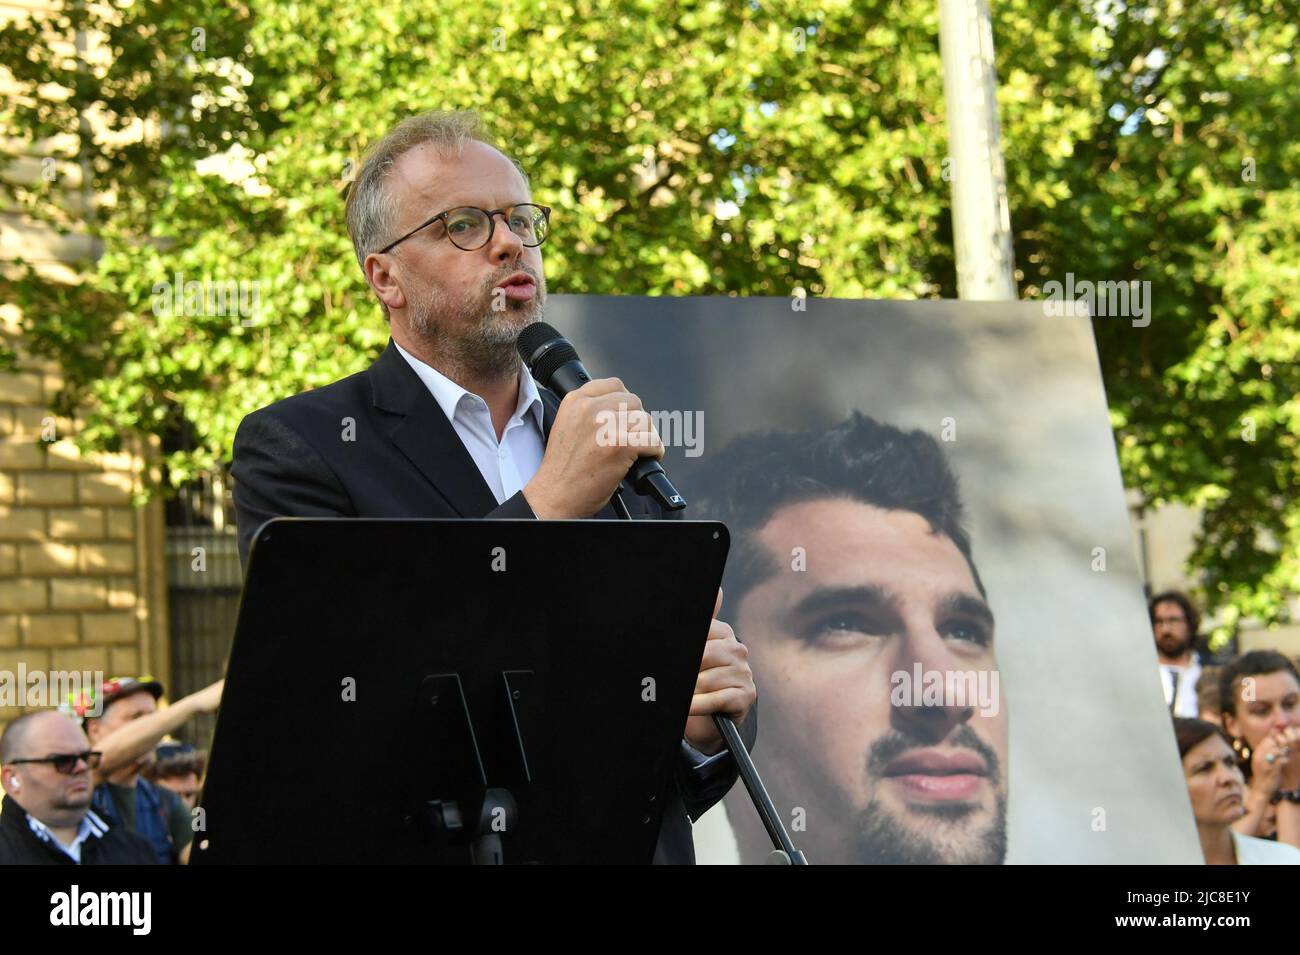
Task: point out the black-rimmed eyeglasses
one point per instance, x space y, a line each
470 228
67 763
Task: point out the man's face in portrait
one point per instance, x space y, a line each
878 593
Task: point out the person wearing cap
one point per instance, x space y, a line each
46 768
126 731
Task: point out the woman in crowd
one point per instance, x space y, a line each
1216 788
1260 695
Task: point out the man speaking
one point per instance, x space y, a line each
448 423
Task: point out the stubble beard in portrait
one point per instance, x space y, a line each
839 833
942 836
474 338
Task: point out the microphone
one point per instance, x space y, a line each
553 362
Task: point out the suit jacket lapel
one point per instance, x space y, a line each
422 432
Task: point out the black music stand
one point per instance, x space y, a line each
414 691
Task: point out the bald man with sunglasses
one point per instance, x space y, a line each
45 819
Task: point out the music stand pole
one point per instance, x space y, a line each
784 850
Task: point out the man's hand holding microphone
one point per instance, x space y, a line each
599 432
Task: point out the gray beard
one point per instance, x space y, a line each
487 350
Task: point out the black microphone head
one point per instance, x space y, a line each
543 350
533 337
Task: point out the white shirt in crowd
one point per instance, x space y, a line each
1185 678
1253 851
506 465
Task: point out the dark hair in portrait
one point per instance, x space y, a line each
860 458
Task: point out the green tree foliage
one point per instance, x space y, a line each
1159 143
711 147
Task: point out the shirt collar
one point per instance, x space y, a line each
448 394
90 825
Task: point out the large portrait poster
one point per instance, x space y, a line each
932 569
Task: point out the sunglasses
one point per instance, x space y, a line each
66 764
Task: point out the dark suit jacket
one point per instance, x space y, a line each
20 846
407 461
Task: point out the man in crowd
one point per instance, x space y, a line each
1175 624
127 729
178 767
46 819
849 571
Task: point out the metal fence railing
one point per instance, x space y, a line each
203 583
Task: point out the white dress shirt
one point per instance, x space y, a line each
1253 851
1187 678
506 465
